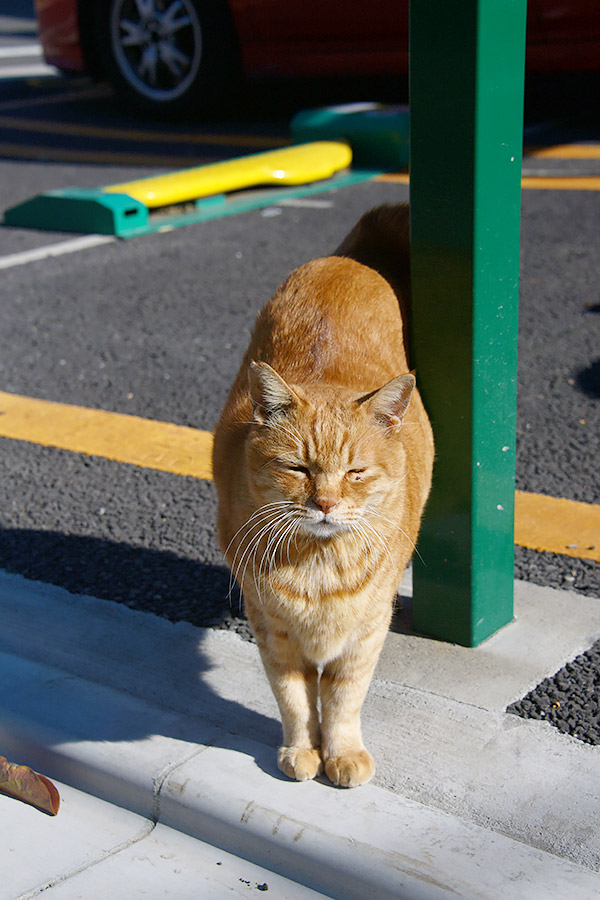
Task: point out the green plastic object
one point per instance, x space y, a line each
84 210
190 195
378 134
466 76
95 211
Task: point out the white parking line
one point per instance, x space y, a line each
71 246
307 202
23 50
32 71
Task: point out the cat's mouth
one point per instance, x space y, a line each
324 528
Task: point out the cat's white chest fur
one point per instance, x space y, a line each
316 605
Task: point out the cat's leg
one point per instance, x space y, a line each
295 683
296 690
344 685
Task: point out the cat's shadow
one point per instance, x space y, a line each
159 667
402 616
162 663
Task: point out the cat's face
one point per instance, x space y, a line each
327 457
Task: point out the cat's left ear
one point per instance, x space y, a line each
268 391
390 403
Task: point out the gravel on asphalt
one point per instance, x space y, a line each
570 700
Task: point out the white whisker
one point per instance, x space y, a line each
290 430
263 518
401 530
292 534
259 517
258 512
250 551
365 522
282 535
267 561
358 531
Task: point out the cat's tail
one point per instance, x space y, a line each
381 240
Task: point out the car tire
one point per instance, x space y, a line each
168 57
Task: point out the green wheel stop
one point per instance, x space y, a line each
89 211
466 132
378 134
174 199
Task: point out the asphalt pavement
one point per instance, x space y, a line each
156 326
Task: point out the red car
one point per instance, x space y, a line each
172 54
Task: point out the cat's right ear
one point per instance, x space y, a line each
390 403
269 393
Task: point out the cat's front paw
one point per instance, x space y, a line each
300 763
351 769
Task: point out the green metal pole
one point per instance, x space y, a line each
466 132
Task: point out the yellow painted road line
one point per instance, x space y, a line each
396 177
70 129
547 524
561 182
541 182
122 438
564 151
557 525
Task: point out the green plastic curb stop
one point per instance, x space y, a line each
378 134
85 210
93 211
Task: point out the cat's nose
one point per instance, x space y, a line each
325 504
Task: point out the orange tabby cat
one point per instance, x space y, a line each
322 462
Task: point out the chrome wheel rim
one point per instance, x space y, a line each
157 45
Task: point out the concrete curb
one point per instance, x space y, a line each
342 844
199 772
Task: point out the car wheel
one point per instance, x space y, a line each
168 56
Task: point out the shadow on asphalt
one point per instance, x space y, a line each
588 380
155 581
172 674
187 693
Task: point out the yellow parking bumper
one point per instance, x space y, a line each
294 165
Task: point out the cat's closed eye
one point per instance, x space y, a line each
355 474
302 470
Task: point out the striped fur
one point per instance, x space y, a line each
322 463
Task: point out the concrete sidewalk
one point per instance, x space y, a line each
161 738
